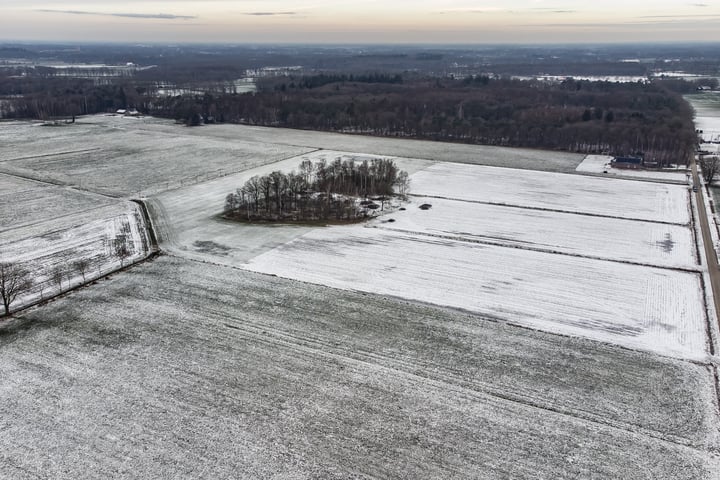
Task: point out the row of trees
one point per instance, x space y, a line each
17 279
318 192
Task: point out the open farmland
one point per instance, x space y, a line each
528 325
26 202
388 147
596 242
188 220
89 236
47 229
639 307
630 199
183 369
618 239
120 161
122 156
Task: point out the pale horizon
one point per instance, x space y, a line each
428 22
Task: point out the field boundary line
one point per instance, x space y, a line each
554 210
481 241
40 222
69 152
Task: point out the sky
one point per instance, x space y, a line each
360 21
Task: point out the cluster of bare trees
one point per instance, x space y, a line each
319 192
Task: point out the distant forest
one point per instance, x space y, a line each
579 116
643 118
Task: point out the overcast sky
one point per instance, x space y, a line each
361 21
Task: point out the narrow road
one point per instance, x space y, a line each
712 260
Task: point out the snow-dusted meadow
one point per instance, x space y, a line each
26 202
544 250
638 307
48 228
618 239
528 325
116 156
546 190
565 253
183 369
57 244
129 156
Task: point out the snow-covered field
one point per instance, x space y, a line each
117 156
618 239
638 307
547 260
26 202
569 193
178 369
601 164
143 156
192 369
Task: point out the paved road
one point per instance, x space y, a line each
712 260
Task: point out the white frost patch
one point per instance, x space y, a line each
637 307
571 193
649 243
601 164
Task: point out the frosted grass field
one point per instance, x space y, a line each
388 147
578 194
187 220
122 157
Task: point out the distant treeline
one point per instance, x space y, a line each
577 116
651 119
319 192
316 81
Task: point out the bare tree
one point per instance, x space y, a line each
403 183
82 265
57 275
710 167
121 249
14 279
